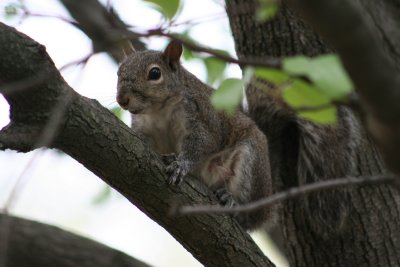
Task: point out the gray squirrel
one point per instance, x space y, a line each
171 109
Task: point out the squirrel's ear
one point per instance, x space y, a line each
128 48
173 53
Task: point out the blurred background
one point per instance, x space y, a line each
49 186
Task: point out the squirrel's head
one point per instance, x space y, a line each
149 79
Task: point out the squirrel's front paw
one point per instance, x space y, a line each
176 171
224 197
168 158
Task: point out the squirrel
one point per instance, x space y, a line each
171 109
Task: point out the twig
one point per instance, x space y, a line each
262 62
196 21
160 31
31 14
288 194
259 62
83 60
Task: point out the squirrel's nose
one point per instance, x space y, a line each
123 101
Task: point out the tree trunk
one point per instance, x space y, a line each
367 228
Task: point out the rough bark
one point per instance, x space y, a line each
28 243
370 235
103 144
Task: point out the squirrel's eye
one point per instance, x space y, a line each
154 74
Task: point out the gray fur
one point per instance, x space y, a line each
320 147
302 152
175 116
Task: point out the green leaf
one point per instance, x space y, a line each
12 10
275 76
228 95
117 112
330 76
297 65
267 10
187 53
326 73
215 69
326 115
167 7
303 95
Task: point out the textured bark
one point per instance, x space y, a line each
95 137
370 235
28 243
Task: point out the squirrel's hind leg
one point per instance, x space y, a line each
224 171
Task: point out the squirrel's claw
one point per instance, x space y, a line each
168 158
176 171
224 197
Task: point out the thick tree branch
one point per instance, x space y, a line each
28 243
103 144
374 73
102 26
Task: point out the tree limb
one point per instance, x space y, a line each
28 243
102 26
92 135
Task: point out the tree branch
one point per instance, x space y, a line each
254 62
371 68
102 26
95 137
28 243
288 194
